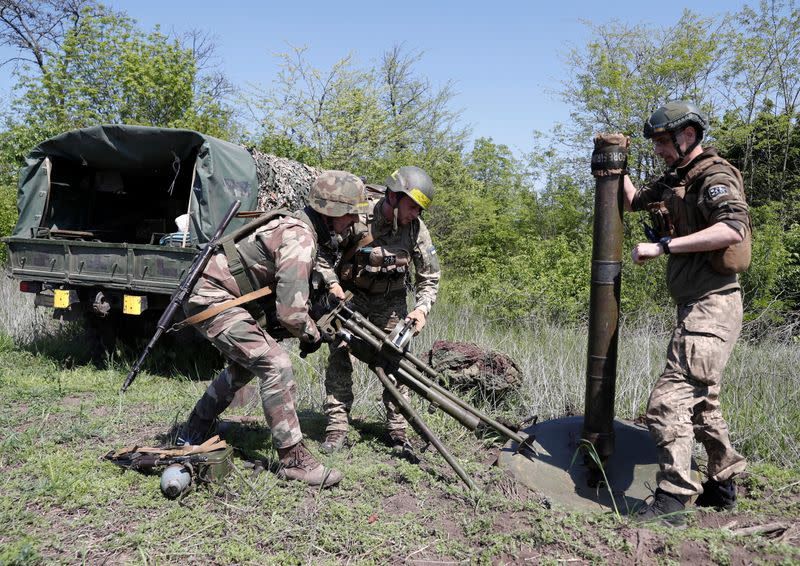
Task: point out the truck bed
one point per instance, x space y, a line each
143 268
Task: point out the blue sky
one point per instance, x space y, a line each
505 58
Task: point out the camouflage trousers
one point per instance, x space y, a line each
684 404
384 311
250 352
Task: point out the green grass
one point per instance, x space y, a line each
61 503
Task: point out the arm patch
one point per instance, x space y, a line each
715 192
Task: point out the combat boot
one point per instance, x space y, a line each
666 508
334 441
297 463
195 430
719 495
401 446
398 440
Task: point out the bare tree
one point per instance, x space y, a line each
421 114
36 28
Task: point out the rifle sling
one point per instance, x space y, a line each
215 310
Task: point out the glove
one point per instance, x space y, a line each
419 319
307 348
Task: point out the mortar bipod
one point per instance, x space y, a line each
410 370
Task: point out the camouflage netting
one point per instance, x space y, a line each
467 367
282 183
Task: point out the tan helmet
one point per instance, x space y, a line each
336 193
414 182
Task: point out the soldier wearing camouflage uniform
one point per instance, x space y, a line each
392 231
699 206
279 254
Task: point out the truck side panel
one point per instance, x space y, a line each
128 267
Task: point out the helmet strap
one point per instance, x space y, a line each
683 154
396 199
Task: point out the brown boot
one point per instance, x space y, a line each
401 446
398 440
334 441
297 463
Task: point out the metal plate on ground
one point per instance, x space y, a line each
550 470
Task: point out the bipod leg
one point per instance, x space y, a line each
416 421
422 374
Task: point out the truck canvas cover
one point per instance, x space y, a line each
98 207
223 172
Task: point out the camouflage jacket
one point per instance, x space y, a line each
281 255
414 239
706 191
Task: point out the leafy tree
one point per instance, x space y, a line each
421 116
762 92
625 72
36 28
335 114
357 118
94 65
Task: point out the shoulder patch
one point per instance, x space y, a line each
715 192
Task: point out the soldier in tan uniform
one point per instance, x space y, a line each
375 265
280 253
703 224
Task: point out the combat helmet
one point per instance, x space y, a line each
673 117
414 182
337 193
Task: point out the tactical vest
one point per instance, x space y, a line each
241 271
734 258
374 269
686 218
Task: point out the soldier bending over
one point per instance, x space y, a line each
280 254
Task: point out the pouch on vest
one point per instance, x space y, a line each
735 258
661 219
379 269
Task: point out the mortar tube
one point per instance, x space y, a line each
609 161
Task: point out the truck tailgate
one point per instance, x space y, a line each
128 267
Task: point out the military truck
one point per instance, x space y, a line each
110 218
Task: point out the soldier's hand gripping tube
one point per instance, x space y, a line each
183 290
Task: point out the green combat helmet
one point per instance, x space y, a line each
672 118
337 193
414 182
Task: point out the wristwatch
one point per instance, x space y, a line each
664 243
